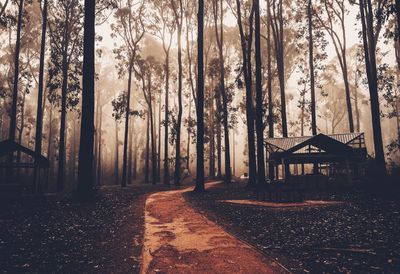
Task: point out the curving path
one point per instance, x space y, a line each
180 240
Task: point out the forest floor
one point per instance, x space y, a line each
359 234
53 235
180 240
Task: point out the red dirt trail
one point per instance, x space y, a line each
180 240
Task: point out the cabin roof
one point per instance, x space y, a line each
285 144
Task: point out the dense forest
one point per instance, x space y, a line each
122 91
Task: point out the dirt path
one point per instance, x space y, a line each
180 240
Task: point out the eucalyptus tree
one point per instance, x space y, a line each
331 17
277 20
200 99
13 118
246 41
65 28
259 97
218 12
179 12
370 34
165 32
39 112
130 27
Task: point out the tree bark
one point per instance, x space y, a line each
177 174
367 15
85 168
200 100
259 98
247 71
127 114
166 164
311 64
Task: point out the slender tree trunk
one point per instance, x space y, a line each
188 139
152 135
277 29
367 15
220 43
212 134
177 175
159 141
116 166
61 147
269 84
311 64
200 100
247 69
99 159
130 152
39 111
259 100
219 137
166 164
13 120
127 114
147 164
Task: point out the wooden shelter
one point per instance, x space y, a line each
322 154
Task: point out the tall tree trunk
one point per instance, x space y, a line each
127 114
177 175
99 157
13 120
146 163
220 43
247 69
130 152
200 100
219 137
348 94
61 146
116 164
159 141
277 29
269 85
259 100
311 64
212 133
188 140
85 168
367 15
39 110
152 134
166 125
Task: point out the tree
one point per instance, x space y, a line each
311 64
335 11
277 21
165 33
200 100
220 44
85 168
13 121
259 97
66 48
130 28
369 42
39 112
178 15
246 49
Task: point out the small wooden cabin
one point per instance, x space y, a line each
330 155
